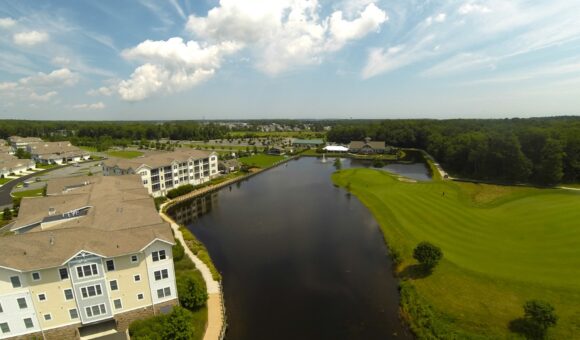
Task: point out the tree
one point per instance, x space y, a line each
337 163
427 254
192 293
7 214
178 325
551 164
540 316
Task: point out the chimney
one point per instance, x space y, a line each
51 211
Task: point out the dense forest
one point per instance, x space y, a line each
543 151
103 135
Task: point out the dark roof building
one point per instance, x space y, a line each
367 147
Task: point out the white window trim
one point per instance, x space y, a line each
137 259
32 276
143 296
114 265
88 295
78 316
72 292
25 323
67 271
45 297
19 281
49 315
7 325
26 302
118 288
85 276
135 278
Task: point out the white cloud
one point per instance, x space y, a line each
439 18
284 33
7 22
93 106
469 8
60 61
42 97
8 86
30 38
102 91
170 66
60 77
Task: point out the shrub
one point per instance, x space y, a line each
178 252
7 214
191 290
427 254
539 316
175 325
158 201
377 163
180 191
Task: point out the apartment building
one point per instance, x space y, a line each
18 142
93 254
161 172
56 153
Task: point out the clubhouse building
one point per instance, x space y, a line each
161 172
94 254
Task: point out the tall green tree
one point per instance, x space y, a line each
550 170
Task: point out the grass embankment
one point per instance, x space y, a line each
5 180
502 246
88 148
46 166
124 153
29 193
199 250
261 160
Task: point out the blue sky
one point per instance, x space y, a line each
245 59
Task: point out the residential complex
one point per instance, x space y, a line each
93 252
11 165
18 142
161 172
56 152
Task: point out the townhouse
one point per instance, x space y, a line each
18 142
56 153
93 254
11 165
161 172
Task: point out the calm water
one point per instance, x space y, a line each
300 259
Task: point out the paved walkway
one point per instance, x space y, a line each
215 312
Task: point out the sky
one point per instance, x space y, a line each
254 59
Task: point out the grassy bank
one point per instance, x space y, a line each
199 250
502 246
29 193
261 160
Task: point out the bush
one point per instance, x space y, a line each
199 250
539 316
427 254
7 216
377 163
158 201
180 191
178 252
176 325
191 290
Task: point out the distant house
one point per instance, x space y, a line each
307 143
56 153
18 142
229 165
276 151
367 147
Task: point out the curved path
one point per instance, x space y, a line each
215 312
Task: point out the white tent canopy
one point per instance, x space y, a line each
335 148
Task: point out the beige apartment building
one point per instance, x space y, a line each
161 172
93 253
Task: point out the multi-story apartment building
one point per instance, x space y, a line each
56 152
161 172
93 254
18 142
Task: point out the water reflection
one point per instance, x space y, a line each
189 211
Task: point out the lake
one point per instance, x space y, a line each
300 258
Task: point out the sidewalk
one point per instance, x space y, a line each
215 312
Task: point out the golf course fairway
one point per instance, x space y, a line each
502 246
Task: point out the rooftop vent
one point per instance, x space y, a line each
51 211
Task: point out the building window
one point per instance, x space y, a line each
161 274
63 273
110 265
74 313
42 297
158 255
162 293
22 303
15 281
87 270
96 310
113 284
117 303
91 291
47 317
68 294
137 278
4 327
134 258
28 323
35 276
140 296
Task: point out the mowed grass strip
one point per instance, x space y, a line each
261 160
125 153
502 246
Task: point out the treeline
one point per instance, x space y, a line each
103 135
543 151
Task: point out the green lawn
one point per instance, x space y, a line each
261 160
125 153
29 193
5 180
502 246
46 166
88 148
224 147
